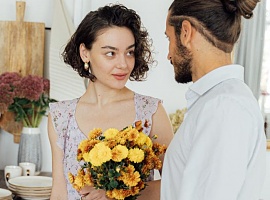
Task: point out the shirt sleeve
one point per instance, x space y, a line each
222 145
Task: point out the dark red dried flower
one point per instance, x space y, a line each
10 78
46 86
31 87
6 97
27 97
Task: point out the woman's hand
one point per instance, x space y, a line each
90 193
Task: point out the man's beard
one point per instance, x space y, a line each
182 64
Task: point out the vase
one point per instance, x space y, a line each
30 148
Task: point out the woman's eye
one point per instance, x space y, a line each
130 53
110 54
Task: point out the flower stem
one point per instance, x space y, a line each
36 122
24 116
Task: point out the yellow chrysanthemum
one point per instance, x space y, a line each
135 190
87 179
129 144
141 139
136 155
148 142
110 133
87 145
111 143
119 153
79 155
100 154
83 145
94 133
79 181
130 179
119 194
121 138
126 130
133 134
124 133
86 157
130 169
70 177
80 172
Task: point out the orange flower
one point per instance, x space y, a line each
94 133
133 134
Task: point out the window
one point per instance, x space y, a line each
265 76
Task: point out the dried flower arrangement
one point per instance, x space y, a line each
27 98
177 118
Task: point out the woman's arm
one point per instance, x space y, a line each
59 189
161 126
151 192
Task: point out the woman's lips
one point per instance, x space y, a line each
120 76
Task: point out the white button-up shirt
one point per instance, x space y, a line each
219 151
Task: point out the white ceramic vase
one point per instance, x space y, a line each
30 147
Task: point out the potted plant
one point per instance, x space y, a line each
26 99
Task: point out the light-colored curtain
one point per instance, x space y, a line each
249 49
65 82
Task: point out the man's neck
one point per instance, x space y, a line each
207 61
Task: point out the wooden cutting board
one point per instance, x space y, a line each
22 44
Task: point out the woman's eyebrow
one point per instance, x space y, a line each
116 49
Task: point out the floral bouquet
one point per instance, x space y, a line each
117 161
27 97
177 118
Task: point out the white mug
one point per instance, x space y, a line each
28 169
12 171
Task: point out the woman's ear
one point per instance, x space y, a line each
84 53
186 33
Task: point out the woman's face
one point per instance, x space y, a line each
112 56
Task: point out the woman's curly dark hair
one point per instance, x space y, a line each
105 17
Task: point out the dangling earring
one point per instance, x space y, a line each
86 66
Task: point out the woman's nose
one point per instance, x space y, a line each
122 62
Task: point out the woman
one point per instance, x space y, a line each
109 47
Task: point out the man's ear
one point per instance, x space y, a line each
84 53
186 33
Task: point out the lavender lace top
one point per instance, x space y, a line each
69 134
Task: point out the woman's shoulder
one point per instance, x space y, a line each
146 98
146 104
63 105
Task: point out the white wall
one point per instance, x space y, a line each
35 11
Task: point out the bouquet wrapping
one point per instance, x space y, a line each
118 162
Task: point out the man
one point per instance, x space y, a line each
219 151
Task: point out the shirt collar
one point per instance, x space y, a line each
217 76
